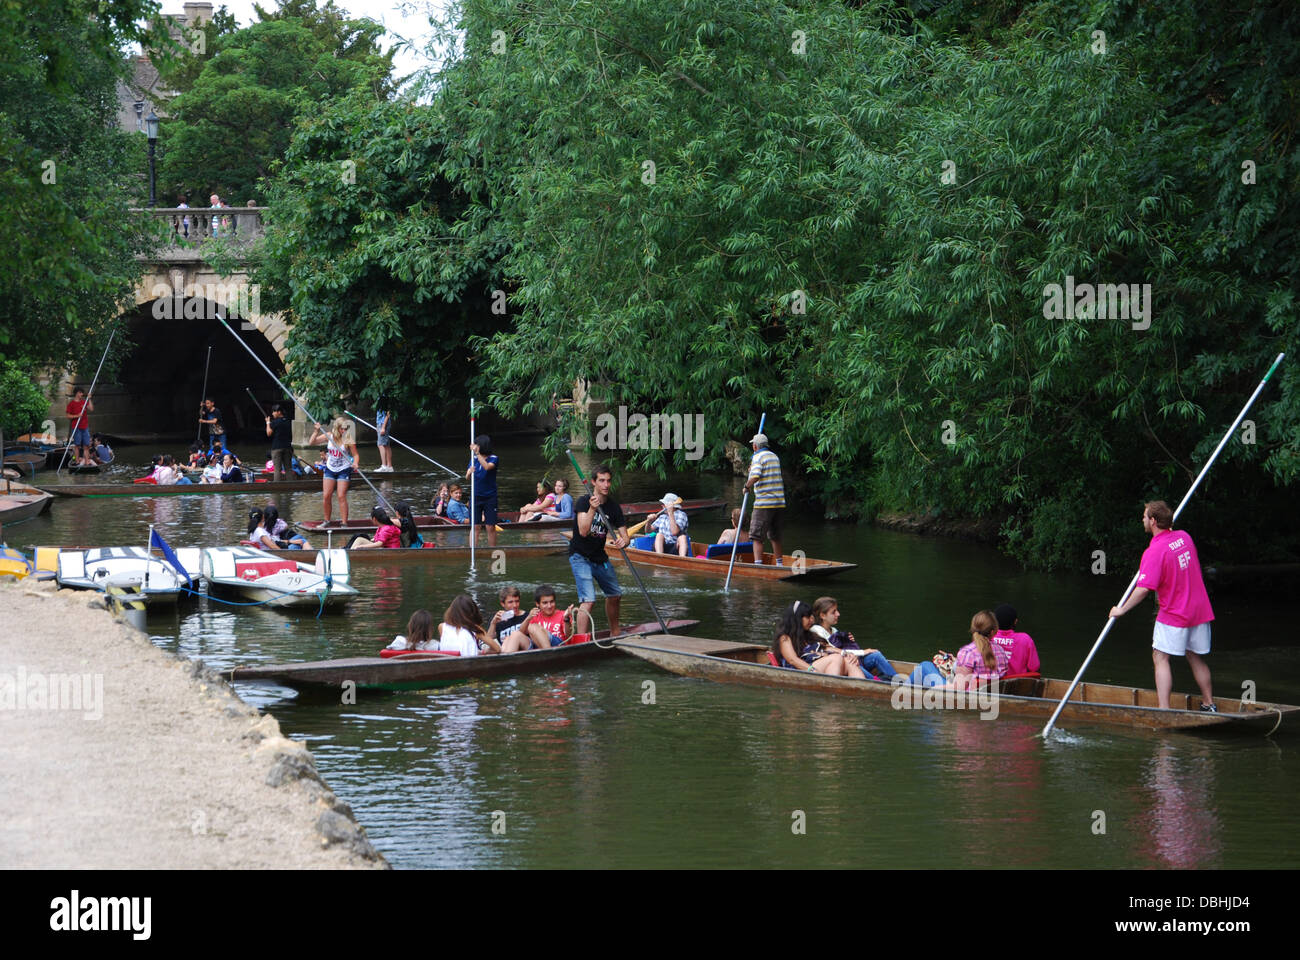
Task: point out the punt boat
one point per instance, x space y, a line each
431 554
21 460
1036 697
128 489
426 670
97 568
278 581
714 560
18 502
509 519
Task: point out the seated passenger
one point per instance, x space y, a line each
387 533
826 614
979 661
669 525
729 535
419 633
537 509
456 508
797 648
507 626
212 472
462 628
281 532
257 532
230 472
101 452
563 508
440 501
168 475
1020 647
546 625
410 532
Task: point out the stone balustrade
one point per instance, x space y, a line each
191 227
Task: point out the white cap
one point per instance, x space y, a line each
760 438
669 499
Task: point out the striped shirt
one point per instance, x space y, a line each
769 491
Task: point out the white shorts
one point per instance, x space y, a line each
1176 641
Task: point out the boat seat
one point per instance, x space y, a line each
647 542
387 653
771 658
717 550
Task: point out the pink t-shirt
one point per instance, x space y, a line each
389 536
969 656
1020 649
1172 569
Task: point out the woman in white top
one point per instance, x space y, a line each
212 472
338 465
462 628
419 633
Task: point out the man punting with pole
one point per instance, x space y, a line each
596 516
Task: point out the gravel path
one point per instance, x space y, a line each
164 767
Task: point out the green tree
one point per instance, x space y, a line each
23 405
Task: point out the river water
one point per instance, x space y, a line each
618 764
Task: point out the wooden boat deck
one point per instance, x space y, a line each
126 489
1091 703
795 569
509 519
20 502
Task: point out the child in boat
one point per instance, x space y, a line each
537 509
462 628
258 535
456 508
507 625
826 614
978 662
410 533
441 500
283 534
387 533
419 633
729 535
813 654
546 626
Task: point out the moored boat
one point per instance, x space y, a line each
424 670
1091 703
18 502
275 581
509 519
263 486
97 568
715 559
430 554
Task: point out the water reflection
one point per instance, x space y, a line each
1179 785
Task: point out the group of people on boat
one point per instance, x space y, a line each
510 630
268 530
809 638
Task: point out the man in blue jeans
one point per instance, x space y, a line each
587 549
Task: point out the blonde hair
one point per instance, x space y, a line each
982 627
339 431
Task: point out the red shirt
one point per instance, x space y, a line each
554 624
389 536
76 408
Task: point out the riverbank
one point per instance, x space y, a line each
115 754
925 524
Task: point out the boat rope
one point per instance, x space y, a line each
1279 721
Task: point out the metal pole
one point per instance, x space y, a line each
473 517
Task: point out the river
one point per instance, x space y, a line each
620 765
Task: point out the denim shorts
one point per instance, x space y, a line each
344 474
584 571
81 437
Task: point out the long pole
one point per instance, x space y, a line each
204 395
1110 621
289 393
473 517
400 444
255 403
740 526
111 334
623 550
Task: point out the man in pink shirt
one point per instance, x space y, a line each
1172 569
1019 646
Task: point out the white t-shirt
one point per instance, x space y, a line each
166 476
457 639
401 643
212 473
257 535
336 458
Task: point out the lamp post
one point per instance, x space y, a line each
151 131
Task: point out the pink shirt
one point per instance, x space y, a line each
1172 569
1020 649
389 536
969 656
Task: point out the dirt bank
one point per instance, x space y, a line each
116 754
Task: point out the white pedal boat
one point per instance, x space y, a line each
98 568
262 577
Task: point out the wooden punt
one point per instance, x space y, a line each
1091 703
509 519
428 670
201 489
19 502
383 557
23 461
795 568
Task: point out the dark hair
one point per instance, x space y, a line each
419 629
157 459
194 448
406 521
792 626
484 444
77 391
276 408
270 513
602 468
464 613
380 516
1160 513
255 518
1006 616
545 590
167 460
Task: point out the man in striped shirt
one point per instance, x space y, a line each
769 498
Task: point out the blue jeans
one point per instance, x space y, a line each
181 480
584 571
927 675
877 662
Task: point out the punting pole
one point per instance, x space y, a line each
623 550
736 540
198 432
1110 621
249 391
473 517
400 444
89 393
289 393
